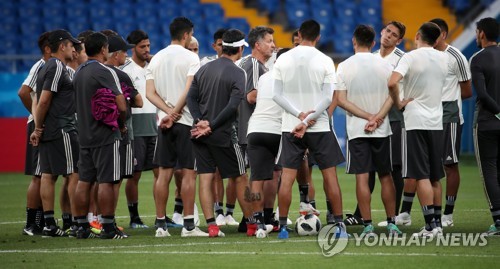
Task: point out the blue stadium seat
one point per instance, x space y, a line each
239 23
149 25
10 45
145 10
459 5
343 44
122 11
50 11
212 11
191 12
29 10
270 6
77 10
212 26
124 27
167 11
30 26
8 11
53 23
9 27
100 12
103 23
297 13
78 25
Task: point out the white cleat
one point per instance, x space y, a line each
428 234
307 208
162 232
177 218
403 219
261 233
382 224
447 220
231 221
220 220
196 232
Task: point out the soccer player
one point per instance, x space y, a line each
55 126
423 72
213 99
194 46
361 90
303 86
217 46
27 92
168 78
99 135
485 67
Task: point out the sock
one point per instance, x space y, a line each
338 218
189 222
229 209
430 222
357 212
283 221
108 223
40 220
304 190
49 218
218 208
268 215
450 204
211 221
367 222
90 216
133 209
391 220
437 215
73 221
178 206
407 202
329 206
30 216
313 203
66 217
259 217
82 221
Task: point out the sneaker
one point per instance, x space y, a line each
71 232
251 229
382 223
113 234
493 230
341 231
283 234
96 225
447 220
82 233
330 219
52 231
425 233
403 219
32 230
307 208
220 220
214 231
137 223
353 220
177 218
368 231
393 230
162 232
171 223
231 221
196 232
263 231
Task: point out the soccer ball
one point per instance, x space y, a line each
307 225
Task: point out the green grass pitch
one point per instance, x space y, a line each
143 250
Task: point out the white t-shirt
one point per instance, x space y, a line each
393 58
303 70
169 69
424 73
138 76
266 117
364 76
458 71
30 81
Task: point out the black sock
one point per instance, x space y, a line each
450 204
437 215
40 220
179 206
229 209
49 218
329 207
259 217
211 221
304 190
30 216
268 215
108 223
83 222
313 203
189 224
357 212
495 213
391 220
133 210
283 221
367 222
66 218
218 208
430 221
407 202
338 218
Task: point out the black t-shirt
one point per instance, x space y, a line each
90 77
54 77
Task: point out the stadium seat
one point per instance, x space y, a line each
124 27
167 11
77 10
270 6
212 26
149 25
79 25
100 12
8 10
145 10
212 11
239 23
122 11
297 13
29 10
53 23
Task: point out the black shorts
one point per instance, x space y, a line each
396 142
174 147
452 134
422 153
31 164
228 160
262 151
126 158
144 152
101 164
369 154
60 156
323 146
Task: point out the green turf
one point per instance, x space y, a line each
143 250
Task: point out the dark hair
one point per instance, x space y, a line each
489 26
429 32
135 37
94 43
108 32
281 51
83 35
441 23
230 36
219 33
43 41
294 34
401 27
364 35
309 30
55 46
257 34
179 26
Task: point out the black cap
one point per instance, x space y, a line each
117 43
61 34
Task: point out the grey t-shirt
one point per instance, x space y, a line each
90 77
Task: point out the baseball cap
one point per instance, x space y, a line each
61 34
117 43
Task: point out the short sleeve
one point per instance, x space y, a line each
194 66
403 65
340 82
30 80
55 70
330 77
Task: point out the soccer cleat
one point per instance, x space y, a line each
32 230
196 232
382 224
426 233
82 233
283 234
251 229
403 219
341 230
162 232
171 223
177 218
52 231
393 230
71 232
447 220
214 231
307 208
368 231
352 219
263 231
137 223
113 234
96 225
231 221
492 231
220 220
